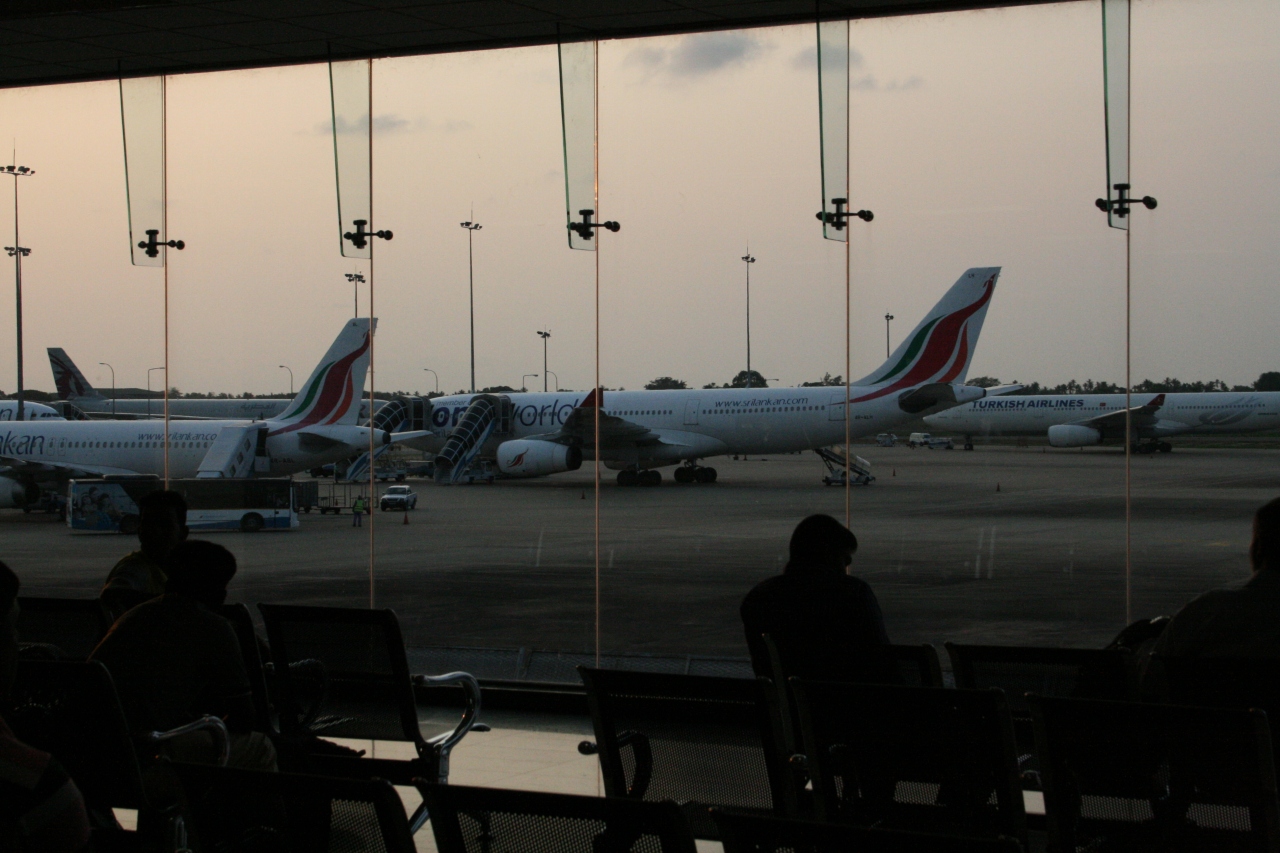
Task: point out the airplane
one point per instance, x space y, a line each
318 427
30 411
536 434
1081 420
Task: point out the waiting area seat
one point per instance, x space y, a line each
696 740
251 653
1148 777
226 809
751 833
61 628
925 759
342 673
488 820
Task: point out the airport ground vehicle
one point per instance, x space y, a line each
924 439
887 439
398 497
110 504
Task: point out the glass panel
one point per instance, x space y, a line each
833 112
578 119
1115 48
349 96
142 120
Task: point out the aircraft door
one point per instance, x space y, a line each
835 406
62 447
691 412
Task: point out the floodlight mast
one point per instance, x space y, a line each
472 228
545 335
888 318
749 260
17 252
356 280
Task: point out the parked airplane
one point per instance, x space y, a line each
527 435
1079 420
30 411
318 427
74 387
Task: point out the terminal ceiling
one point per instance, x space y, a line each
62 41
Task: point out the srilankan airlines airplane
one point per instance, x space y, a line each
1080 420
319 426
529 435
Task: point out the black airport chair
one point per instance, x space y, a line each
251 652
488 820
1220 682
342 673
1019 670
1135 776
62 628
227 809
71 710
752 833
917 758
696 740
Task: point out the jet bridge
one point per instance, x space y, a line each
399 414
488 415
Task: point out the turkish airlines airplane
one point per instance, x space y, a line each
529 435
319 426
1080 420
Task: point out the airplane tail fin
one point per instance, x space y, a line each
941 347
68 378
332 394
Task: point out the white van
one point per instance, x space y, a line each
924 439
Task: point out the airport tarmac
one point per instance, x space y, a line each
1001 545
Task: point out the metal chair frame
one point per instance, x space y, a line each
90 610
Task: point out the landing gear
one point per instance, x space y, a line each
1153 446
705 475
691 473
650 477
628 477
968 442
1164 447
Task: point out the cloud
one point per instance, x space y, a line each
391 123
807 59
869 83
697 55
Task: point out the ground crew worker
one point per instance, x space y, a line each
357 512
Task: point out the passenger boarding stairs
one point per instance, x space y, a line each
833 457
235 453
401 414
486 416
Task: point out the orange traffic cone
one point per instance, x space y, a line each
997 487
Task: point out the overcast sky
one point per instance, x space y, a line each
977 140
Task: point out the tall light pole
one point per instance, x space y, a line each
545 335
433 373
472 228
150 370
888 318
286 367
113 386
749 261
524 387
17 252
356 280
557 378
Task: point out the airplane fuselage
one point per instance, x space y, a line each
1214 412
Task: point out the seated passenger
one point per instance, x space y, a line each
40 807
174 660
823 620
1241 620
162 524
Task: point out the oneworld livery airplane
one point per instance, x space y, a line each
318 426
534 434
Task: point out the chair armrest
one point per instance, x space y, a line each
445 742
213 725
639 743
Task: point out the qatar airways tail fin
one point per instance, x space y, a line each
67 377
941 347
332 394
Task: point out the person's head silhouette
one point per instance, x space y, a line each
821 544
1264 550
162 523
200 570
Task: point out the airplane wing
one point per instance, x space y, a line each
1143 415
57 470
580 428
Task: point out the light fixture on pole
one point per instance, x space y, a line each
286 367
17 252
472 228
545 335
524 387
749 261
888 318
437 378
556 378
356 280
149 372
113 386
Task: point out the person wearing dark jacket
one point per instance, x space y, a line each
822 619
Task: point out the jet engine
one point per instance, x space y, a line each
1073 435
525 458
14 495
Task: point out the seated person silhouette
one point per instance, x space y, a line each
138 576
174 660
825 623
41 809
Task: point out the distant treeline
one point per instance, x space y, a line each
1269 381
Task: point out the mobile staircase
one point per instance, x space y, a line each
457 461
833 457
399 414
